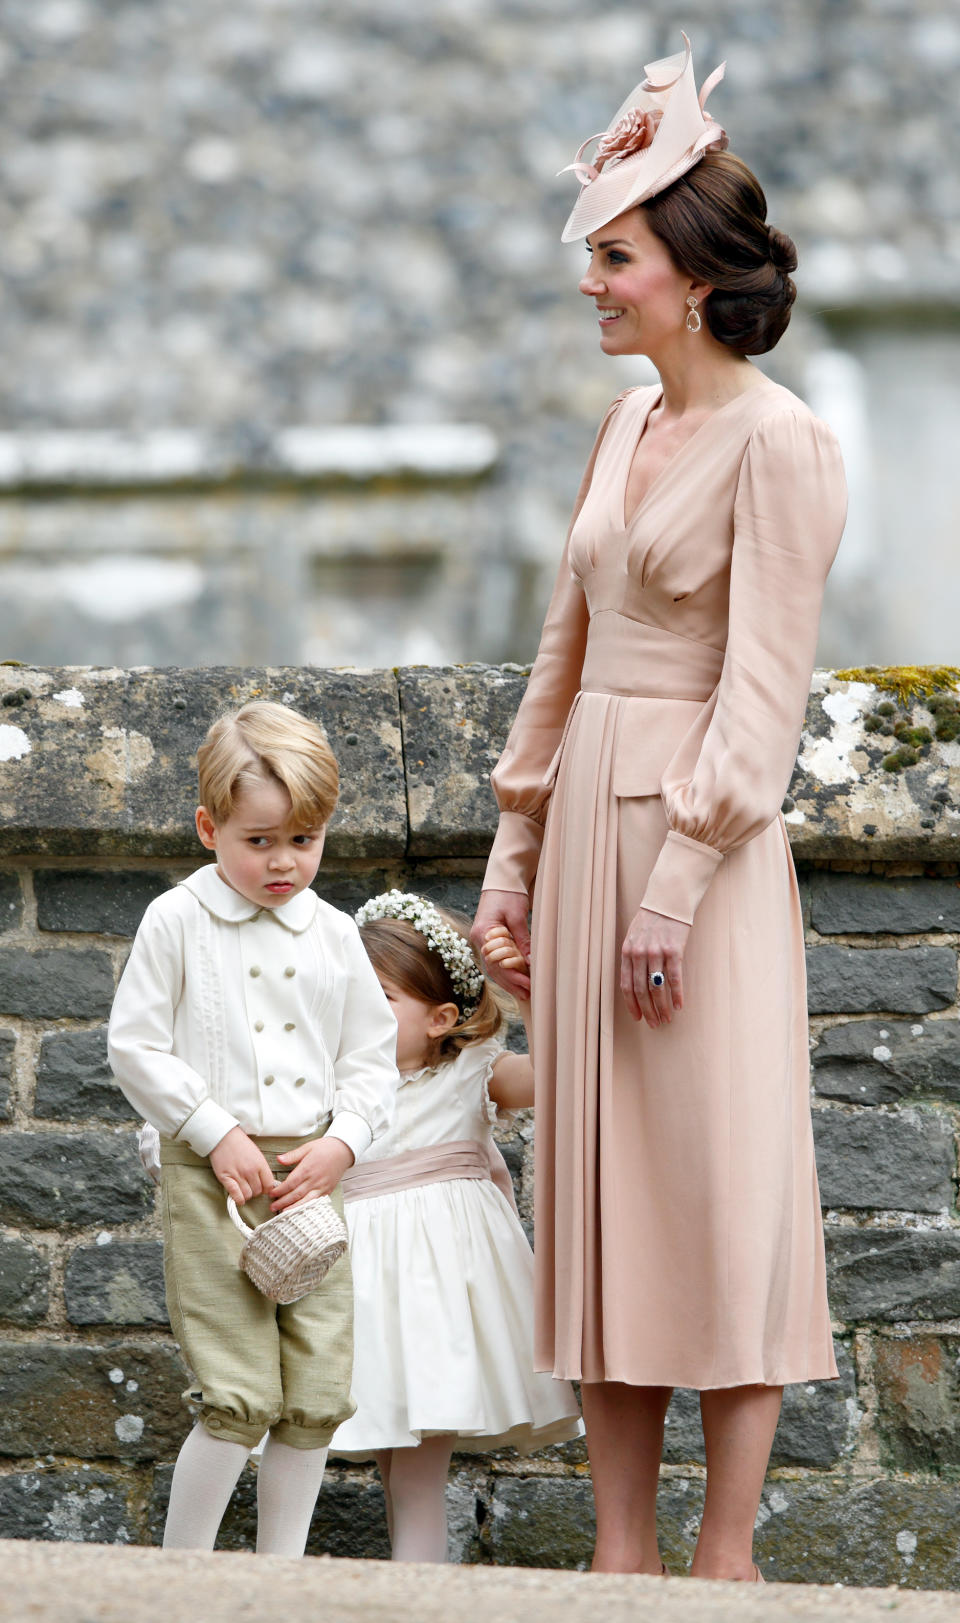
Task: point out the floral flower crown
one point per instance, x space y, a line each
451 948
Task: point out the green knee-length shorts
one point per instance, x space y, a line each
257 1365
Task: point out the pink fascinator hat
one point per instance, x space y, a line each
659 133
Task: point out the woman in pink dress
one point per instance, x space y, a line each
678 1229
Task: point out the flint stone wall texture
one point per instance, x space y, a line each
97 796
229 230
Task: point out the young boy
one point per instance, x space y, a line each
250 1029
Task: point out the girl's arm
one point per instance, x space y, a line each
511 1080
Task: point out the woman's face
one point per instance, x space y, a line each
639 293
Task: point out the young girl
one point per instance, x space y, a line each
443 1273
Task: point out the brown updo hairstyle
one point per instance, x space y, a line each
400 954
713 223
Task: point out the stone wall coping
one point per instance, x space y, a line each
68 458
100 762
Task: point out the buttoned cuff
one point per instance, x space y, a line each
351 1130
204 1129
680 877
515 855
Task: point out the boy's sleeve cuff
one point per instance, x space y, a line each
680 877
204 1129
351 1130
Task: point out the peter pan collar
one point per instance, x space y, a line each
227 904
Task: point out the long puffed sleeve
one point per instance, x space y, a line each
727 780
519 778
167 1091
365 1067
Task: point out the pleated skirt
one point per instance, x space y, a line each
678 1230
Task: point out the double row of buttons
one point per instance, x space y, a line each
289 1025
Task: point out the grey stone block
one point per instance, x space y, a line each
855 980
71 1179
74 1080
817 1422
877 1062
540 1522
917 1380
455 724
55 982
117 1401
81 1507
888 1275
348 891
11 903
872 904
863 1533
108 903
132 743
24 1281
903 1161
8 1042
120 1283
832 1530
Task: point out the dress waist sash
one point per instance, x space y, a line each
438 1163
635 660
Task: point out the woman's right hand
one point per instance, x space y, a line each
508 908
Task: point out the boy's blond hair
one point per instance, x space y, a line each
261 741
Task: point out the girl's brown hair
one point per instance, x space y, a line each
400 954
713 222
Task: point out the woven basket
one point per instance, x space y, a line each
288 1255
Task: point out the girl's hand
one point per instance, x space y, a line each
653 943
317 1169
506 908
242 1168
500 948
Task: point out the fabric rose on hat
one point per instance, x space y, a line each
631 135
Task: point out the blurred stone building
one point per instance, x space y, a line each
295 368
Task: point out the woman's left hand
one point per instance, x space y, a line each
654 944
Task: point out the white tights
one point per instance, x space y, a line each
205 1475
415 1489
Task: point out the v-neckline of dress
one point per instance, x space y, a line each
677 455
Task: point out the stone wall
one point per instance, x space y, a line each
96 797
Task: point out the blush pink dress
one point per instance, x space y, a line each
678 1231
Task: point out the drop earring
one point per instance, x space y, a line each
693 322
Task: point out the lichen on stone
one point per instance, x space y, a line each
933 686
908 682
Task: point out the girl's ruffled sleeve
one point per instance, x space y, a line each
727 781
520 779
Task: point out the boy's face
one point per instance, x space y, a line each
259 853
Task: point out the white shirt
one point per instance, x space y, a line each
270 1019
